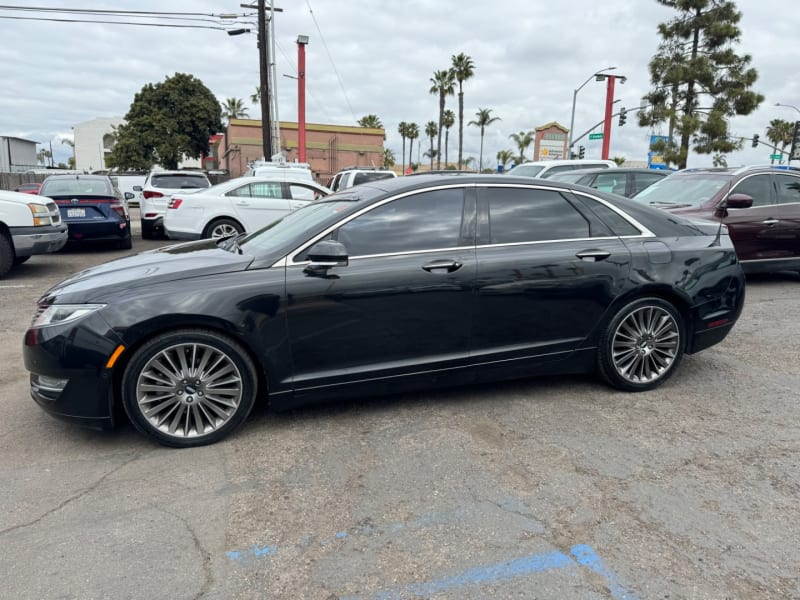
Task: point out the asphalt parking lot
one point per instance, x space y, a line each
542 488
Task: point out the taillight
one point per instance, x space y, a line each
149 194
175 203
119 209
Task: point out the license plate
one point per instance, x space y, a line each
76 212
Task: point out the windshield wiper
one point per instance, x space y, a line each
231 244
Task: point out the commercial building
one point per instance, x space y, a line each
17 155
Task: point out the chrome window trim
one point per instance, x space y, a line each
745 178
289 259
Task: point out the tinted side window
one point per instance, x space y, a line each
643 180
530 215
561 169
182 182
788 189
759 187
617 224
426 221
301 192
612 182
364 177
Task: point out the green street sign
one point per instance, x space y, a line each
595 136
775 156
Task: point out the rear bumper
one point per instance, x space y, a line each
38 240
181 235
99 231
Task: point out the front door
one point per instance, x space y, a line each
755 231
260 203
403 304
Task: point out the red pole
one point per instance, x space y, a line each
609 109
301 101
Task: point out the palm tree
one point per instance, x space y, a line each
412 133
256 97
523 139
504 156
463 68
233 108
430 154
388 158
469 160
71 159
444 85
448 121
484 119
619 160
402 129
430 131
780 132
370 121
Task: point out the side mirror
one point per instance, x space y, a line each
129 196
324 255
137 188
739 201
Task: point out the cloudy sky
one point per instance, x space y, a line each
374 56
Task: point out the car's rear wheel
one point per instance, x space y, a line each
6 254
125 243
189 387
21 259
147 230
222 228
642 345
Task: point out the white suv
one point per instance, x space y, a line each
29 225
235 206
157 190
351 176
545 168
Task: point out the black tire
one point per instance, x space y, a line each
6 254
21 259
642 345
125 243
147 230
222 228
216 399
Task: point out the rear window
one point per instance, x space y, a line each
364 177
77 187
179 181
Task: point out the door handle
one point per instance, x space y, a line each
438 266
593 255
242 203
770 222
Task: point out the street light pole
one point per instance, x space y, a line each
574 99
263 65
302 40
788 106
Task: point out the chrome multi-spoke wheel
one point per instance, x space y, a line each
642 345
645 344
189 388
223 228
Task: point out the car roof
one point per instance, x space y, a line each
621 170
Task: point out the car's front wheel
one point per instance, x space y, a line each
642 345
189 387
222 228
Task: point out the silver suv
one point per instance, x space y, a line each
354 175
157 192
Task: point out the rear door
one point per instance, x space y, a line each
548 268
789 212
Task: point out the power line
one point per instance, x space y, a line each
110 12
113 23
335 70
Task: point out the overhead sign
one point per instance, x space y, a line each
775 156
595 136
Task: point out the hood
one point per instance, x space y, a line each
172 263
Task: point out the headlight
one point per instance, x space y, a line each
41 214
58 314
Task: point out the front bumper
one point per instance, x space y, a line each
38 240
69 378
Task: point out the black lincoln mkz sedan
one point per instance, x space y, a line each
392 285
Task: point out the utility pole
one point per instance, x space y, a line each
263 63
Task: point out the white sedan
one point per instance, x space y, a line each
239 205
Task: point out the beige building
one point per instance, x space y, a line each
329 148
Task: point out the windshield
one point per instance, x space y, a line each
526 170
308 219
687 190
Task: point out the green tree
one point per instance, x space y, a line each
370 121
619 160
412 133
448 121
698 81
388 158
484 119
45 157
255 98
469 161
430 154
430 130
523 140
167 121
780 132
443 85
719 160
233 108
504 157
463 68
71 159
402 129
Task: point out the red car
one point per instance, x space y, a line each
28 188
759 205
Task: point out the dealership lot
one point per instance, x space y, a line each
546 488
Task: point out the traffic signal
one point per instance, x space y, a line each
623 116
795 152
581 151
755 140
